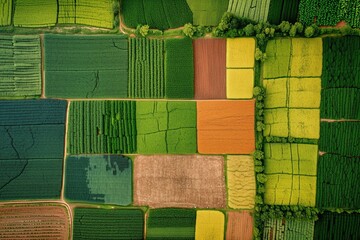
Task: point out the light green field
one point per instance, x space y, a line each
40 13
207 12
5 12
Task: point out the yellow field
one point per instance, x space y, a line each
304 92
209 225
241 182
276 122
239 83
304 123
306 60
240 52
276 93
291 171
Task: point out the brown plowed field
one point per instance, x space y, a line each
210 68
226 127
34 222
179 181
239 226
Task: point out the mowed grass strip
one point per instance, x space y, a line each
210 224
176 181
20 72
241 181
156 13
207 12
40 13
5 12
171 223
78 66
226 127
239 225
32 148
100 179
34 221
97 127
337 182
97 223
255 10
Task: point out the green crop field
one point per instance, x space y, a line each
102 127
156 13
171 223
32 148
207 12
329 12
337 182
166 127
92 223
86 66
39 13
179 68
101 179
337 226
255 10
5 12
20 70
278 229
340 138
283 10
146 70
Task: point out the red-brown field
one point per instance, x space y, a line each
239 226
34 221
210 68
179 181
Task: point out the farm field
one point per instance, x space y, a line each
34 221
20 74
159 184
86 66
94 223
100 179
157 13
155 119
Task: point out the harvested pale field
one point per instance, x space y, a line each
241 182
210 68
185 181
239 226
226 127
33 221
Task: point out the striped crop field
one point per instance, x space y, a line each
102 127
20 71
207 12
32 148
170 223
182 181
226 127
283 10
5 12
34 221
239 225
179 68
156 13
337 182
336 136
39 13
78 66
241 182
295 229
337 226
209 225
101 179
146 70
291 172
166 127
97 223
257 10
